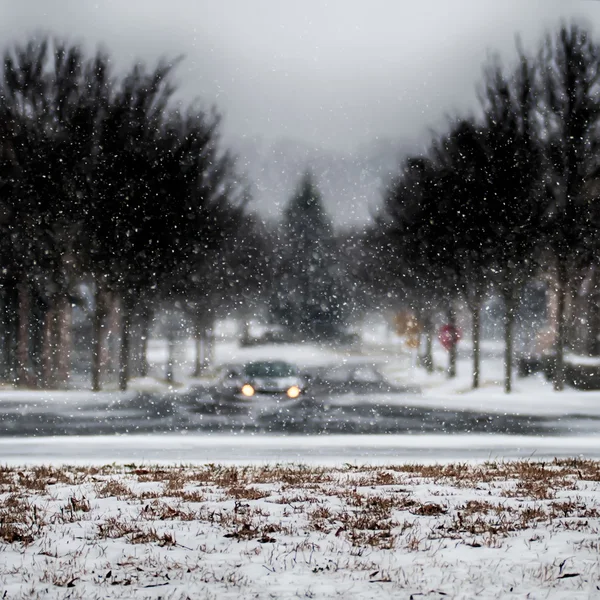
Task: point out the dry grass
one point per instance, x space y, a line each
246 493
113 488
363 517
114 528
162 511
20 520
351 520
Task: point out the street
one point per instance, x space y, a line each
195 411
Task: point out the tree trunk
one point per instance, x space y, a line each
48 347
145 319
559 348
200 344
23 378
210 346
476 334
593 324
144 367
170 375
136 335
453 351
65 340
111 348
13 335
198 358
62 341
124 363
245 338
4 335
509 318
203 354
428 354
9 303
573 313
98 341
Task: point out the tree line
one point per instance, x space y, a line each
505 195
118 201
106 185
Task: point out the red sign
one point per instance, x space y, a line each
449 336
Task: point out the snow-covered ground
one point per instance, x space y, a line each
493 530
324 449
183 513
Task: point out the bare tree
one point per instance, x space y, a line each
569 79
509 101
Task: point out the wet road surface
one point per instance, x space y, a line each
198 411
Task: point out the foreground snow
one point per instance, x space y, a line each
490 530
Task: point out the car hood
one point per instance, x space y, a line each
275 383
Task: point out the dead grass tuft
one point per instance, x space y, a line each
246 493
162 511
20 520
113 488
428 509
114 528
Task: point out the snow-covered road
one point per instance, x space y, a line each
321 449
447 421
195 411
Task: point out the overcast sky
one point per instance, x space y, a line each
331 73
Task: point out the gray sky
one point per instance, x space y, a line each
332 73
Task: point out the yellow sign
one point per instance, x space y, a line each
406 324
412 341
401 322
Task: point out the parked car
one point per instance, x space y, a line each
579 375
358 378
267 378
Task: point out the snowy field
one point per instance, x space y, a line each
490 530
171 498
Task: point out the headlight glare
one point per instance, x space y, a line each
293 391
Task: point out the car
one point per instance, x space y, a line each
265 378
355 378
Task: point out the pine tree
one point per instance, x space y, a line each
309 298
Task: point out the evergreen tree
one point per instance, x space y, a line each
413 243
309 298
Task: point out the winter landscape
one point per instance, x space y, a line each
299 301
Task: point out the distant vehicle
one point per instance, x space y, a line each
265 334
358 378
259 379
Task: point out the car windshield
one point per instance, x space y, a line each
269 369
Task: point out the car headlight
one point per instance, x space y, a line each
293 391
247 390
